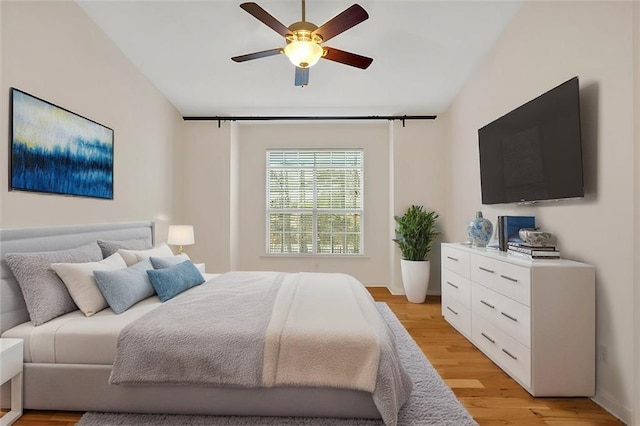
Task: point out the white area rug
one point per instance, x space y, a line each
431 403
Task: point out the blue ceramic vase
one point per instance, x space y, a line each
480 230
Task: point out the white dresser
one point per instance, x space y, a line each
534 319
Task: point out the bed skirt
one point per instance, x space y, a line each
75 387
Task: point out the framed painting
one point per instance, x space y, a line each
54 150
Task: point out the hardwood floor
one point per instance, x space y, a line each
491 396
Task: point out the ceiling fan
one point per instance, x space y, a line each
304 40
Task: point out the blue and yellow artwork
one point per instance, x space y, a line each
56 151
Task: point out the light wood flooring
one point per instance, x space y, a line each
491 396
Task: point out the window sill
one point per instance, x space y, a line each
316 256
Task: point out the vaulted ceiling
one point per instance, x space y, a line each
423 53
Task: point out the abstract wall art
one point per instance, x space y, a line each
56 151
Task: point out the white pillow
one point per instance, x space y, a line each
82 286
131 257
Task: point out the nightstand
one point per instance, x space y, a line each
11 369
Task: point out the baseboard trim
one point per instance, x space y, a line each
392 291
399 292
396 293
610 404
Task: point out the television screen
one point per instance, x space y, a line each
534 152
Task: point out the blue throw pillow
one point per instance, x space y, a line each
173 280
124 288
165 262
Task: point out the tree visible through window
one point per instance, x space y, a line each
314 202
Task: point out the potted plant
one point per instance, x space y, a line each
415 234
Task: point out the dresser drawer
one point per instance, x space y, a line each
509 354
457 315
511 317
513 281
455 260
456 287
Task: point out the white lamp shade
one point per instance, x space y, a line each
180 235
303 53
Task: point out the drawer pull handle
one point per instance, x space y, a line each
486 270
452 310
487 304
488 338
452 258
510 354
452 284
509 278
510 317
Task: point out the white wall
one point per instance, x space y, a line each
419 156
546 44
52 50
225 183
207 193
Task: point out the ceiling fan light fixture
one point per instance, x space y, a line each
304 40
303 53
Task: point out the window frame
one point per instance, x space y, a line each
314 211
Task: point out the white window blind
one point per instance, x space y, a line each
314 202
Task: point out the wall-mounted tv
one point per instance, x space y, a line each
534 152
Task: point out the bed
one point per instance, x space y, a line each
69 359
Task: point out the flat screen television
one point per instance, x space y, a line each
534 153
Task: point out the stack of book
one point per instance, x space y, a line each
533 252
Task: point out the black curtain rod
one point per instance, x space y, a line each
402 118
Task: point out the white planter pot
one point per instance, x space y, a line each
415 279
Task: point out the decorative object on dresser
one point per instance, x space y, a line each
535 237
479 230
415 234
56 151
181 235
534 319
509 228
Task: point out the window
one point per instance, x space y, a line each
314 202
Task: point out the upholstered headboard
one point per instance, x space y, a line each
12 307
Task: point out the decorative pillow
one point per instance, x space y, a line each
125 287
44 293
165 262
110 247
79 279
134 256
173 280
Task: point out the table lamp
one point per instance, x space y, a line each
180 235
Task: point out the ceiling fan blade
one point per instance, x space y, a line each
342 22
266 18
256 55
347 58
302 76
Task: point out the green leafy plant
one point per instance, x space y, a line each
415 232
